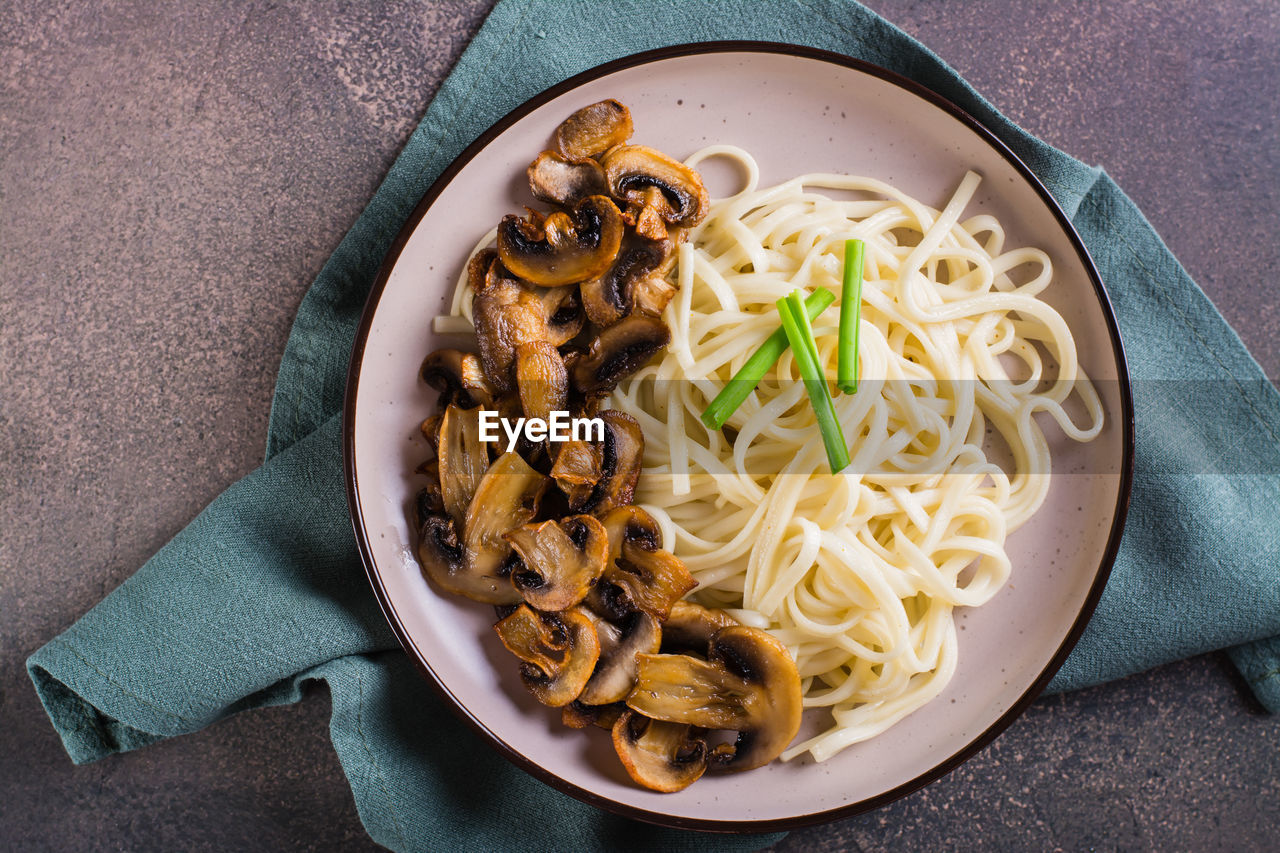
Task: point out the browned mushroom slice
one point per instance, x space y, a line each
690 627
748 683
620 351
565 248
634 170
577 469
562 307
430 429
480 270
554 179
640 579
599 476
444 561
615 674
558 651
659 755
506 315
653 294
630 522
576 715
541 379
611 296
459 377
462 460
593 130
506 498
561 560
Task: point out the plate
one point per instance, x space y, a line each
796 110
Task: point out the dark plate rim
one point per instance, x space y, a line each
950 762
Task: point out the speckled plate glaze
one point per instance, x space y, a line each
796 111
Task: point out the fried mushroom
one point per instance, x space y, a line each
462 460
557 180
655 185
593 130
748 683
609 297
541 379
618 352
459 377
566 247
558 651
596 477
662 756
560 561
615 673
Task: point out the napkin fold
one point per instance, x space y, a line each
264 590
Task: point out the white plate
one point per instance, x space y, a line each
796 111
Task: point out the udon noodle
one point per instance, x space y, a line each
858 573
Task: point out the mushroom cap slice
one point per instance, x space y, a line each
558 180
615 674
462 460
689 627
593 130
506 315
621 457
748 683
562 559
611 296
558 650
641 579
565 248
506 498
631 522
459 377
541 378
578 467
619 351
562 308
634 171
444 561
659 755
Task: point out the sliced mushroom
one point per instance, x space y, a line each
599 476
505 317
561 560
633 171
459 377
653 294
690 627
563 309
444 561
558 650
620 351
615 673
462 460
593 130
640 579
576 715
748 683
565 248
506 498
557 180
611 296
661 756
541 379
632 523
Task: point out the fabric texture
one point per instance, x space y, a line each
261 594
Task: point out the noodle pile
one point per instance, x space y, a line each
858 573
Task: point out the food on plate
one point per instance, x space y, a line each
565 304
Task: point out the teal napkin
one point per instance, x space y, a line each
264 591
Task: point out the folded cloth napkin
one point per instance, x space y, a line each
264 590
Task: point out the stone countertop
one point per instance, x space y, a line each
173 177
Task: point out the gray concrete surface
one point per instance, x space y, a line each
172 176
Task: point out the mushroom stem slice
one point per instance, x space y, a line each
748 683
659 755
565 248
562 559
558 650
593 130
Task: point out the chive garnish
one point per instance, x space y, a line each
850 315
755 367
795 324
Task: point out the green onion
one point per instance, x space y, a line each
850 315
804 349
750 374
